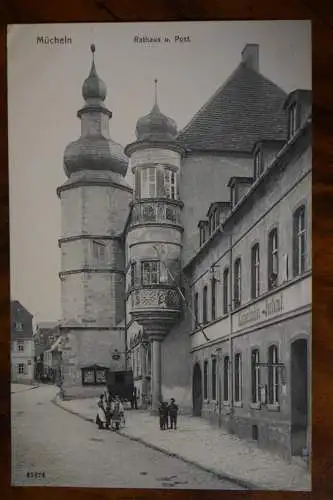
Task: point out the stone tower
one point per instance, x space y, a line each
95 204
154 234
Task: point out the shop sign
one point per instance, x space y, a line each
261 311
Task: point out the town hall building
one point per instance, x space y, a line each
197 277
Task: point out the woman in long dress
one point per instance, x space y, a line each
101 415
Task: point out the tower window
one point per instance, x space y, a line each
99 251
148 182
170 184
150 272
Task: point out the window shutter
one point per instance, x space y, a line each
137 184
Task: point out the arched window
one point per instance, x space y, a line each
225 290
226 383
204 305
237 283
255 375
238 377
214 379
206 379
273 259
213 292
273 375
299 251
196 309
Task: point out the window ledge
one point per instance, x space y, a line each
273 407
238 404
255 406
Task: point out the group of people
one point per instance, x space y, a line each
168 415
110 412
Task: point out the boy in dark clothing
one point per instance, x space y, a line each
163 412
173 411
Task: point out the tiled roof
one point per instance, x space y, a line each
246 108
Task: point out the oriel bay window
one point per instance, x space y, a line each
273 259
150 272
299 241
237 283
255 376
273 375
255 271
238 377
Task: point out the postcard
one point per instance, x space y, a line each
160 238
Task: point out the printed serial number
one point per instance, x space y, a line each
31 475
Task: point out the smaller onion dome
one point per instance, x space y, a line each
155 126
93 87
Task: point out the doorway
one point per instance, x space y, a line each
299 396
197 390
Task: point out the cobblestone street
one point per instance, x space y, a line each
69 451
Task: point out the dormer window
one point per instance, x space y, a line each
258 164
292 119
233 198
203 232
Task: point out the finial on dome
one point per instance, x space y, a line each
93 86
155 93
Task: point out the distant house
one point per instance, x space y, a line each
22 344
45 336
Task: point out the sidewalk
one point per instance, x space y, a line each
16 387
213 449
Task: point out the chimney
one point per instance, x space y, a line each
250 56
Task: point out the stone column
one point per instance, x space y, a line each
156 375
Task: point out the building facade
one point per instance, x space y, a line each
45 335
200 277
22 344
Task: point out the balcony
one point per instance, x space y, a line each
166 211
155 298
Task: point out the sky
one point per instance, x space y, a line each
44 95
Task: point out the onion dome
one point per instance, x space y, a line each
94 150
155 126
93 87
